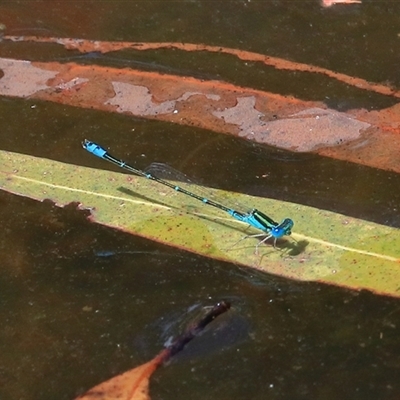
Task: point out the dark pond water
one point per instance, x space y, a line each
80 303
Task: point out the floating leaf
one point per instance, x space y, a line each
330 247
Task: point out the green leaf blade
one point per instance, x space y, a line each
331 248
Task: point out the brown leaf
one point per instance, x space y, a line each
131 385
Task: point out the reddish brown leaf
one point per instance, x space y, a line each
131 385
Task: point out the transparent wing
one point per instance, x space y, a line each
164 171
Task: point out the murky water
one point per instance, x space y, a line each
79 297
80 303
74 316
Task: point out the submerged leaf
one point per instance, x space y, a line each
330 247
131 385
134 384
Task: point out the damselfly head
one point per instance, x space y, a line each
284 228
